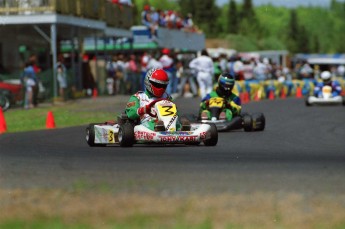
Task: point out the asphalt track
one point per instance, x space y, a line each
301 150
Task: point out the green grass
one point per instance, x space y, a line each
41 224
19 120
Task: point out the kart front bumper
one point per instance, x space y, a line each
322 101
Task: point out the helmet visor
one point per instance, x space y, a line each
226 84
158 85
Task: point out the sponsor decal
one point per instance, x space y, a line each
167 102
216 102
102 134
142 135
203 135
171 121
130 104
180 133
179 138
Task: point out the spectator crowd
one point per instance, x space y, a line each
192 75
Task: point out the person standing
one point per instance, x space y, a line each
111 67
133 74
62 79
28 79
204 67
35 88
168 66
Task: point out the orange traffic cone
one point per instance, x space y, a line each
243 98
94 93
299 92
283 94
247 97
50 123
3 126
271 95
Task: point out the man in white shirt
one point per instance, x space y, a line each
204 67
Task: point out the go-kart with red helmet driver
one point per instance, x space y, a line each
150 117
326 92
223 108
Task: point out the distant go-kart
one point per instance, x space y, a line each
245 121
127 132
326 98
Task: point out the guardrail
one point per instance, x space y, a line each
115 15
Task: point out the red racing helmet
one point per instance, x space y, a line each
156 81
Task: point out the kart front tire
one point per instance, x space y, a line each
247 123
90 136
213 140
126 135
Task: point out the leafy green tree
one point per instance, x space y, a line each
206 14
316 45
292 32
187 6
250 25
232 17
302 40
247 10
136 13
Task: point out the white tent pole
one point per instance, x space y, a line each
54 55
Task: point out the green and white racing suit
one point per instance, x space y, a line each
141 99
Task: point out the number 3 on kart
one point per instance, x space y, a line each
167 110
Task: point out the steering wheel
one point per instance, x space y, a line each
150 105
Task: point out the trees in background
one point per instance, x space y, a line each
249 28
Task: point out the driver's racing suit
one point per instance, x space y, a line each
232 107
141 99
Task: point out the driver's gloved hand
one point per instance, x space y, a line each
144 109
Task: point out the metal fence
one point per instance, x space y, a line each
115 15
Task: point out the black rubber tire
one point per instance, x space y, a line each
214 136
307 102
126 135
4 102
259 121
247 123
90 136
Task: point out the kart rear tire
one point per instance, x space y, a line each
90 136
259 121
214 136
4 102
126 135
247 123
307 102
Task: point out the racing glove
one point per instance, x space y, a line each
146 109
